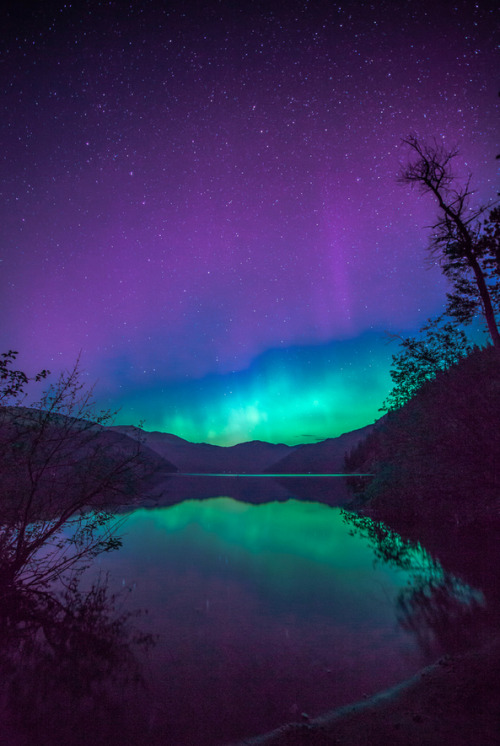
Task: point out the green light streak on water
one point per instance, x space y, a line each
295 529
264 607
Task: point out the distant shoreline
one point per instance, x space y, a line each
277 474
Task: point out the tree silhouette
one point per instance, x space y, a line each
61 477
440 346
465 248
66 654
13 382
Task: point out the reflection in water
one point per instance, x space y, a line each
67 660
258 488
66 650
264 612
259 612
442 612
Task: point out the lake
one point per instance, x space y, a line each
260 613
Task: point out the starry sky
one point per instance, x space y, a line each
201 199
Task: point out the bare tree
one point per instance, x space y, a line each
458 239
61 477
65 647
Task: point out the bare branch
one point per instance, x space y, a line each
456 241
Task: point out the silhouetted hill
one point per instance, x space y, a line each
326 457
437 458
60 458
245 458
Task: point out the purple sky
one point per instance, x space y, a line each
202 199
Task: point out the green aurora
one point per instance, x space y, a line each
289 396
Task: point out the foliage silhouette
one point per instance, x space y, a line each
13 382
61 475
66 654
436 458
440 346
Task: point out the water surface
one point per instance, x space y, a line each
265 613
262 611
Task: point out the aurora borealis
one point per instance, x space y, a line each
201 198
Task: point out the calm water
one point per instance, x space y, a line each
262 613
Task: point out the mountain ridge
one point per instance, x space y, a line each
325 457
250 457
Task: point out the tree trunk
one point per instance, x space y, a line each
471 258
489 313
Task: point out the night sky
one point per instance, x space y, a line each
201 198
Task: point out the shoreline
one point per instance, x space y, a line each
454 700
